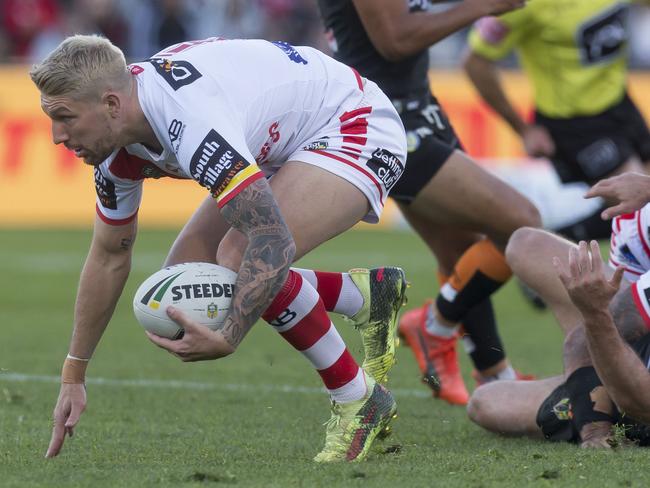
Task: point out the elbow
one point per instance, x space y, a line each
393 54
393 48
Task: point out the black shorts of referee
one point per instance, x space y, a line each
590 148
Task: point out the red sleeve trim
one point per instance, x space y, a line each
255 176
114 221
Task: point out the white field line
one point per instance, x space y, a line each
194 385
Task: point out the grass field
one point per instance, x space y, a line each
255 418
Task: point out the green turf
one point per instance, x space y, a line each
229 422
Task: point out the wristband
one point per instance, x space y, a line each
74 370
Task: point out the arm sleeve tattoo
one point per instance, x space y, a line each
266 261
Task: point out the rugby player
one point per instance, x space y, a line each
449 200
231 114
584 120
606 319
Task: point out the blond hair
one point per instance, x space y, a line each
80 67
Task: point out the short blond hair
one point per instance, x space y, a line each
80 67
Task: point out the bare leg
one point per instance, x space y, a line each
530 254
510 407
297 189
464 195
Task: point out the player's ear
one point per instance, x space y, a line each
113 103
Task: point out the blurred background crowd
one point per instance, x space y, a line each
29 29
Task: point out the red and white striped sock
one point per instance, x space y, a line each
299 315
338 291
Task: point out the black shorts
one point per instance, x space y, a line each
592 147
431 140
554 416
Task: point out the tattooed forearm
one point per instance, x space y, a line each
265 262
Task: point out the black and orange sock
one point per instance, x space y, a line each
480 326
480 272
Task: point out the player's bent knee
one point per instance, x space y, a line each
518 250
479 407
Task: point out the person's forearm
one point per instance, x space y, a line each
408 34
625 377
100 285
485 76
265 262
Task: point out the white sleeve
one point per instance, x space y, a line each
118 199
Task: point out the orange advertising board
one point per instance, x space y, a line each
45 185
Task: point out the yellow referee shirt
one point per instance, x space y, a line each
574 51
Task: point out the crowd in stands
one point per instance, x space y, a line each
29 29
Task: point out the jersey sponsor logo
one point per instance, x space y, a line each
284 318
152 171
628 256
290 51
175 132
105 189
134 69
274 136
419 5
603 37
215 163
176 73
319 145
386 166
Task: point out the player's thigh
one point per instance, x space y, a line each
316 204
465 195
447 243
510 407
200 237
530 254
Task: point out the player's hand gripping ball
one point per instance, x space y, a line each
203 291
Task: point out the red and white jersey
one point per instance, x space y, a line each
228 112
630 243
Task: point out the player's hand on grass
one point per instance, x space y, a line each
69 406
498 7
596 435
199 343
625 193
585 280
538 142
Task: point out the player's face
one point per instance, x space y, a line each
81 126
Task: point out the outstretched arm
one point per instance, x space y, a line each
102 280
625 377
397 34
484 75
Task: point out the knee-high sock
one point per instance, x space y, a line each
481 337
338 291
478 273
298 314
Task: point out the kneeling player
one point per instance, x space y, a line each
607 379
